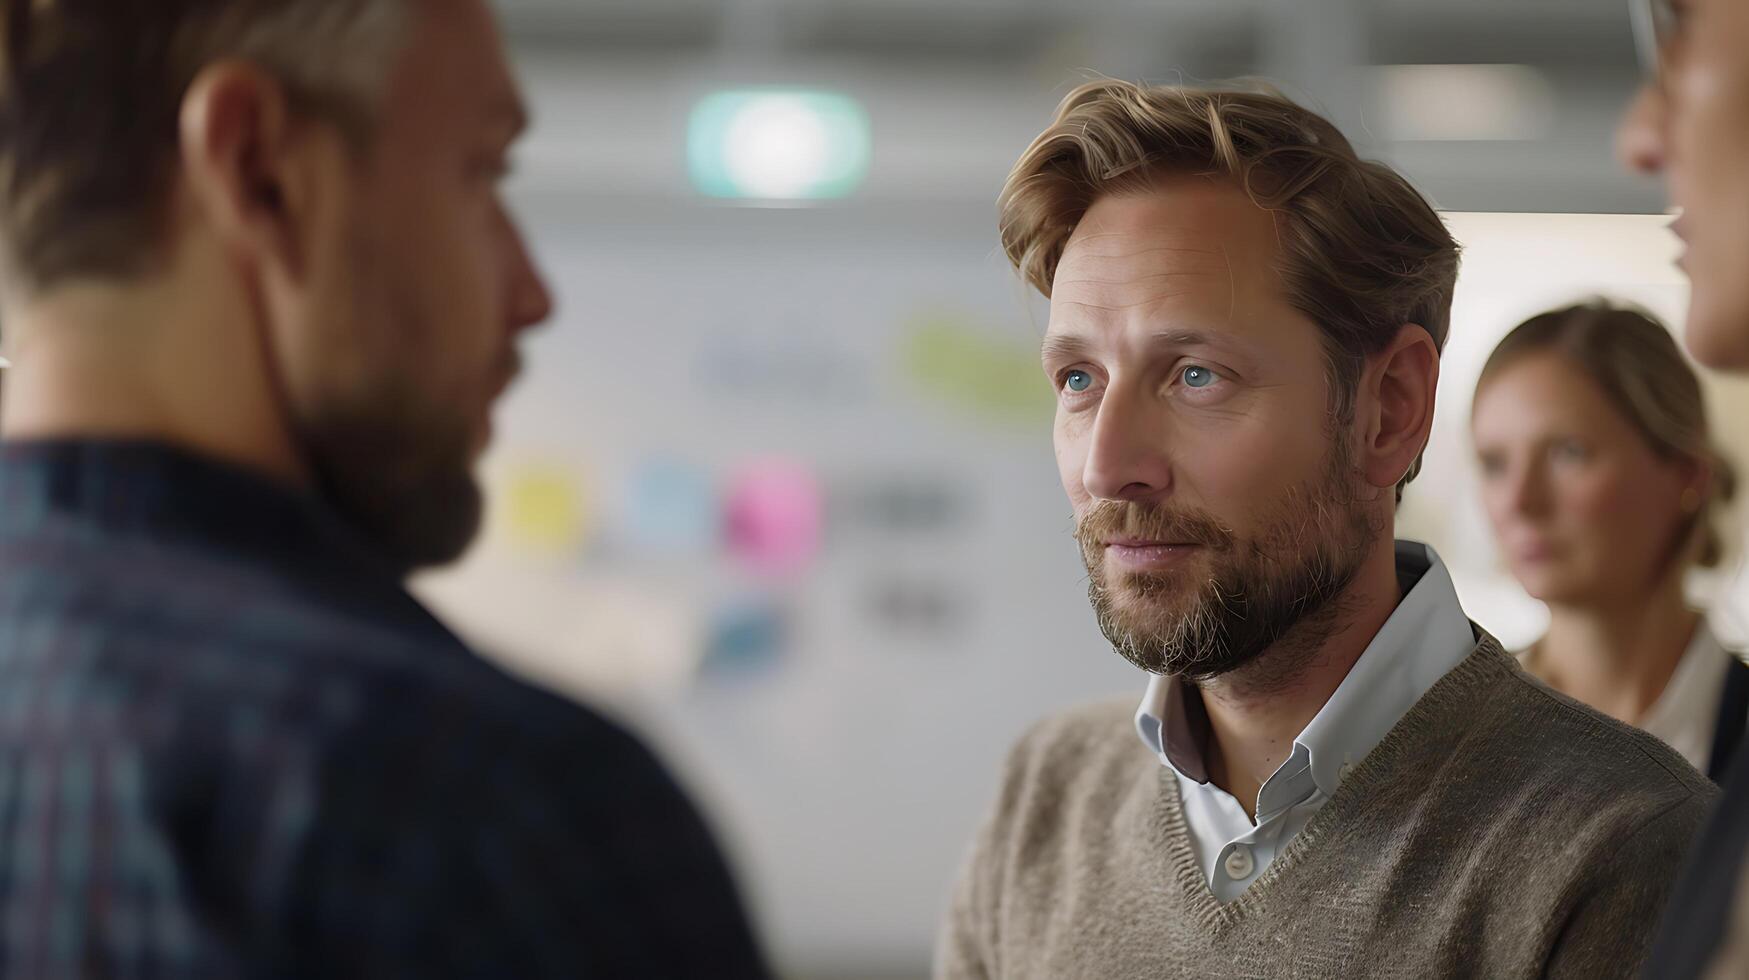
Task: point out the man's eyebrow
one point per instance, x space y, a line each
1063 347
1182 338
1067 347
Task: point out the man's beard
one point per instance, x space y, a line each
400 477
1282 586
392 456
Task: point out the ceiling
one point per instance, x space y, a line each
956 87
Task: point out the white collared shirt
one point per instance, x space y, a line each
1425 637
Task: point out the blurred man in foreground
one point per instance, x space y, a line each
260 294
1690 123
1337 775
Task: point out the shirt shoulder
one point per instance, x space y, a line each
475 793
207 660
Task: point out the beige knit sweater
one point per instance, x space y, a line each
1499 831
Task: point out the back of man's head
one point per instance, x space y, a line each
270 231
92 92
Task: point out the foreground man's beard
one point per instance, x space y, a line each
398 468
1241 596
407 486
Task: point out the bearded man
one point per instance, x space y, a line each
261 291
1337 773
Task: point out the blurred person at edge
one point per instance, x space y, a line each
261 292
1600 479
1689 123
1337 773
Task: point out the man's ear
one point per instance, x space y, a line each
1396 405
253 172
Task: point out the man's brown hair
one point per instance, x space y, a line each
91 94
1362 252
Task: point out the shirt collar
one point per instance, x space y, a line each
1175 727
1424 638
1421 642
146 490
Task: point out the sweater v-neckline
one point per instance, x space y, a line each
1484 664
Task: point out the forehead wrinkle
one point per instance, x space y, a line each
1080 252
1075 255
1190 282
1154 300
1127 259
1089 280
1079 245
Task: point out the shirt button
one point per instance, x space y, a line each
1239 863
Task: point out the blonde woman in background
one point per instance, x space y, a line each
1601 483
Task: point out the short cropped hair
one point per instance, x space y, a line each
90 97
1362 252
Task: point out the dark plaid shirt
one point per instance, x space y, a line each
232 745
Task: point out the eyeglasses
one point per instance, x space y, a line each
1655 23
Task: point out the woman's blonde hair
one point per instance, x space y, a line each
1637 364
1362 252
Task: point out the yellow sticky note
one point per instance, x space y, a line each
544 509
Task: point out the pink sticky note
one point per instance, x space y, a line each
775 510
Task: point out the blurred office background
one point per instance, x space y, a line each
777 486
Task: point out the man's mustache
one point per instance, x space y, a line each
1111 520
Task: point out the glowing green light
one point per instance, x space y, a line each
778 144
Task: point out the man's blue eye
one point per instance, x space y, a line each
1199 377
1078 381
